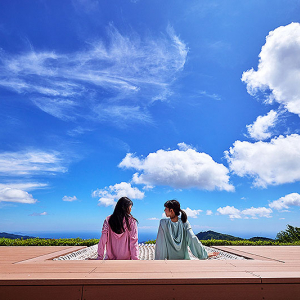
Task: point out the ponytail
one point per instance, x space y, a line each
175 205
183 216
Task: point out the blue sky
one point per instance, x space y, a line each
197 101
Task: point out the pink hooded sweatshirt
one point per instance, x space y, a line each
119 246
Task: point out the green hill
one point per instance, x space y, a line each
208 235
14 236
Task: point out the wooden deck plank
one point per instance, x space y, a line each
170 292
18 254
28 271
41 292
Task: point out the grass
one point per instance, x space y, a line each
240 243
48 242
91 242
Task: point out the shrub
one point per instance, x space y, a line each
48 242
291 234
240 243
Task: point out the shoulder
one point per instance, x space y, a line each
187 224
131 220
163 222
107 219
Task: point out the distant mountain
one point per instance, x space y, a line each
14 236
208 235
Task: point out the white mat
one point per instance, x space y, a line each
146 252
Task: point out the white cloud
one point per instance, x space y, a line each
25 186
109 195
231 211
192 213
253 212
183 146
78 131
30 162
256 212
152 219
128 114
16 196
39 214
278 69
69 199
163 215
179 169
273 163
209 212
285 202
260 129
206 94
124 67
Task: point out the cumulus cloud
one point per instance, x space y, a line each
16 196
192 213
69 198
39 214
153 219
285 202
209 212
260 129
109 195
273 163
94 82
30 163
231 211
278 69
179 169
184 146
253 212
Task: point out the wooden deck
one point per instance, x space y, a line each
273 272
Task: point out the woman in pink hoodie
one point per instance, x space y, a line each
119 233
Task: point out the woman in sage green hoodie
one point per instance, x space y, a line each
176 234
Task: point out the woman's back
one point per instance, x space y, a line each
119 245
176 234
171 242
119 233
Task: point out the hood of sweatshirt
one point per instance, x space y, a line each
119 235
176 233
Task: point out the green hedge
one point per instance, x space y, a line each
240 243
48 242
91 242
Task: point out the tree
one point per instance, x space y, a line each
291 234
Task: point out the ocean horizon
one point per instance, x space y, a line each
143 236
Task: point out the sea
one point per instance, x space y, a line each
143 236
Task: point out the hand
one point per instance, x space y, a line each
213 254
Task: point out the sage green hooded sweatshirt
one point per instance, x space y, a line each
173 239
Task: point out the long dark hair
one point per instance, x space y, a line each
175 205
121 211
